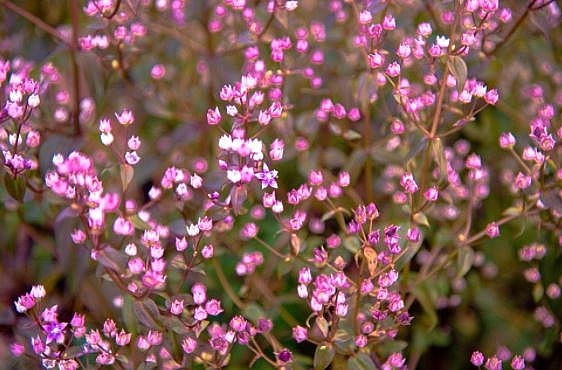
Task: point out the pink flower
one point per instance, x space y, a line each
276 150
213 307
507 140
408 183
126 117
492 230
267 177
176 308
493 363
389 22
132 157
189 345
431 194
492 97
199 292
213 116
207 251
300 334
517 363
376 59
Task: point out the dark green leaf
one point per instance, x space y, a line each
126 172
176 325
552 200
355 163
365 91
418 144
238 195
283 268
360 361
465 258
422 294
323 325
538 292
253 312
138 223
147 313
323 356
351 135
410 251
459 71
15 186
421 219
389 347
439 157
352 244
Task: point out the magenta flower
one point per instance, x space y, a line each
267 177
55 332
213 116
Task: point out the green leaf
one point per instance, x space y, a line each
351 135
68 212
284 267
440 159
138 223
148 314
323 356
513 211
323 325
126 172
459 71
365 91
465 259
335 128
74 351
334 158
176 325
283 19
328 215
418 144
147 366
552 200
352 244
422 294
343 341
388 347
538 292
111 258
360 361
238 196
15 186
122 358
253 312
421 219
128 313
355 163
408 254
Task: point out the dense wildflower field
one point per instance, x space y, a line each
272 184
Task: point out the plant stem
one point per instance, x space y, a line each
36 21
226 285
75 70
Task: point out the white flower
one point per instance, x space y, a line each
443 41
192 230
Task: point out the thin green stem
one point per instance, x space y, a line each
226 285
510 33
74 13
36 21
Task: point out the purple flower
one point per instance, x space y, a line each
285 356
55 332
300 333
267 177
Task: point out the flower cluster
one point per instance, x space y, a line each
312 171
